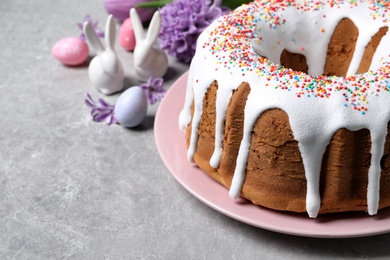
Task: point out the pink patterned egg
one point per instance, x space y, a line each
70 51
126 35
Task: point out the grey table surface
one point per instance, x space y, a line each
71 188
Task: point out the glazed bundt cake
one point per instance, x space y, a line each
288 105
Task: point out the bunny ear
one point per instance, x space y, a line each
154 29
110 32
137 25
92 38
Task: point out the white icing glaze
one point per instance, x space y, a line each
316 111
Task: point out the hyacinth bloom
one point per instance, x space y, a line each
87 18
101 110
182 23
154 89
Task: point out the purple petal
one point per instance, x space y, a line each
88 18
100 110
114 120
100 34
158 82
89 103
101 117
104 103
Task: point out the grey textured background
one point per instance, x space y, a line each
74 189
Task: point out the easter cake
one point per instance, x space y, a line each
288 104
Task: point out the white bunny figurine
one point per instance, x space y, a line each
149 59
105 70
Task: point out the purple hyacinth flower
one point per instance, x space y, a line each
154 89
182 22
101 110
87 18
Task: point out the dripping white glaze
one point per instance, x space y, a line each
313 119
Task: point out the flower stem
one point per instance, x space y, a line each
154 4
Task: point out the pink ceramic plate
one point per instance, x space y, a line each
171 146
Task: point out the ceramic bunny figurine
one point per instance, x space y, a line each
105 70
149 59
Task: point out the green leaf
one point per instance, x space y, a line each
155 4
233 4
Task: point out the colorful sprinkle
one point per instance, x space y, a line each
237 31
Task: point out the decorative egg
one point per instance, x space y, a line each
120 9
126 35
70 51
131 107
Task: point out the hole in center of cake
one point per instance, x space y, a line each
294 61
340 52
